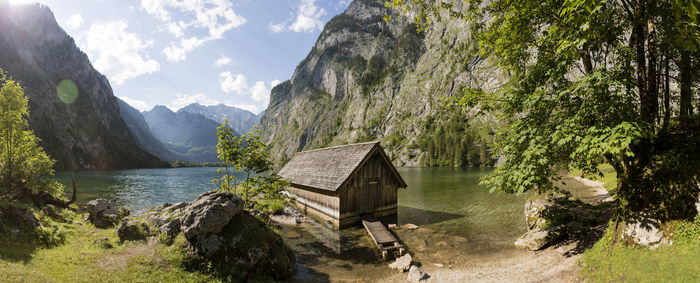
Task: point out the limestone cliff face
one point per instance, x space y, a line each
88 133
367 79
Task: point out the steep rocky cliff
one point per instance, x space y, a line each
83 129
367 79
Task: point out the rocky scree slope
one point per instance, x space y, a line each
367 79
88 133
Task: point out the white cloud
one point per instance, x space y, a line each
277 27
229 84
138 104
274 83
308 18
75 21
215 16
117 53
250 107
222 61
259 92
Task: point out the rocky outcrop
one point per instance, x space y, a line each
217 230
367 79
132 230
553 218
538 238
23 216
81 127
105 213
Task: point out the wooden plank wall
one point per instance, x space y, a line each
359 196
325 203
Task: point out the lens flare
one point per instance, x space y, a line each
67 91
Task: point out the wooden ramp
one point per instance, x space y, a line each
382 237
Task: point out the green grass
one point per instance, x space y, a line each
678 262
78 259
611 260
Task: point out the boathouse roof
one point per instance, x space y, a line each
331 167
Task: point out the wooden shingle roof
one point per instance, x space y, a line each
330 168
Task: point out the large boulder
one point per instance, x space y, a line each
23 216
166 217
209 213
216 231
533 213
131 230
105 213
645 232
539 238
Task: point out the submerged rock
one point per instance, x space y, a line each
402 263
132 230
416 274
105 213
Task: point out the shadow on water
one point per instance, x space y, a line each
424 217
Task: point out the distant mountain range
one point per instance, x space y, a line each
240 120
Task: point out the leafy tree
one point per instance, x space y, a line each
25 167
584 87
248 154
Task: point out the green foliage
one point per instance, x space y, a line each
179 164
583 88
50 234
688 232
248 153
373 75
25 167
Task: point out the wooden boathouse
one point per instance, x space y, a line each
341 184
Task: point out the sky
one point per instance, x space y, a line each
177 52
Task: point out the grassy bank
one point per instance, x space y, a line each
79 259
611 260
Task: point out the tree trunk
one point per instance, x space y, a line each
667 94
652 76
685 84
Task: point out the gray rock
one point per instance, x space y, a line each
171 228
23 216
410 226
14 232
292 235
538 238
162 215
132 230
644 232
415 274
209 245
697 205
105 213
284 219
402 263
533 213
209 213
